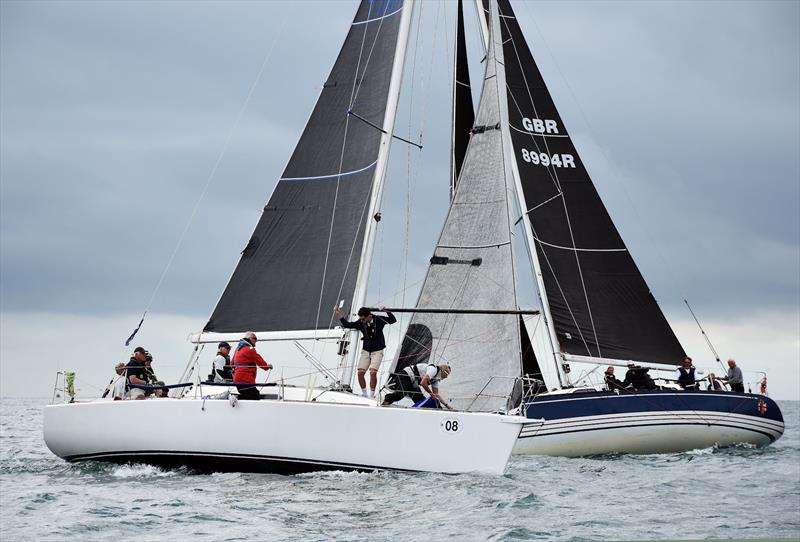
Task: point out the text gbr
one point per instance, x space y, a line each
544 127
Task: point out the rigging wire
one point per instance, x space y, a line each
705 335
211 175
554 175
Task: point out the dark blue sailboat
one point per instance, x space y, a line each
596 307
596 304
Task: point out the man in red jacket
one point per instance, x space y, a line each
246 362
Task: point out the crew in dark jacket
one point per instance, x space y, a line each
136 374
371 328
687 375
638 378
611 381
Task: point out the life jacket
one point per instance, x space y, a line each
415 374
686 378
227 370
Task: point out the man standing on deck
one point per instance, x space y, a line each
371 328
246 362
687 375
735 379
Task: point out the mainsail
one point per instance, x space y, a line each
472 268
599 303
463 110
307 249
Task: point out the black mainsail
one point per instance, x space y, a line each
463 109
310 244
599 304
472 268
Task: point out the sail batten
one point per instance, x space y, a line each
307 249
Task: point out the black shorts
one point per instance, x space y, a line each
249 394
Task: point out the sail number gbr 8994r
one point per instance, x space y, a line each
546 159
544 127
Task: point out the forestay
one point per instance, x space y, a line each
599 302
305 252
472 268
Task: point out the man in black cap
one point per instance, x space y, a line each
221 370
136 372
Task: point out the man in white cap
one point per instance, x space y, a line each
246 362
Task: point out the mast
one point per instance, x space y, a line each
463 114
508 149
365 263
533 258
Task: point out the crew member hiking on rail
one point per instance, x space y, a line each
246 362
410 381
371 328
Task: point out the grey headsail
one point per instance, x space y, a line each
472 268
463 110
599 302
305 252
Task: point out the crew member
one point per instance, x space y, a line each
714 383
638 378
687 375
136 374
371 328
246 362
221 370
413 379
119 383
152 379
611 381
735 379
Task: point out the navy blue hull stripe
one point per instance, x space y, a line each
227 462
611 426
667 416
607 403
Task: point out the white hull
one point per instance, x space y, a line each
645 433
280 436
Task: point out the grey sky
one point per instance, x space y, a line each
113 114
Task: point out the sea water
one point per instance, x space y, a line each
738 492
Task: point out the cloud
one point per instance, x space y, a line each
113 115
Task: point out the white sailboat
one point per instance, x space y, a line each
311 248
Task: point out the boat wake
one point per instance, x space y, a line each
144 471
